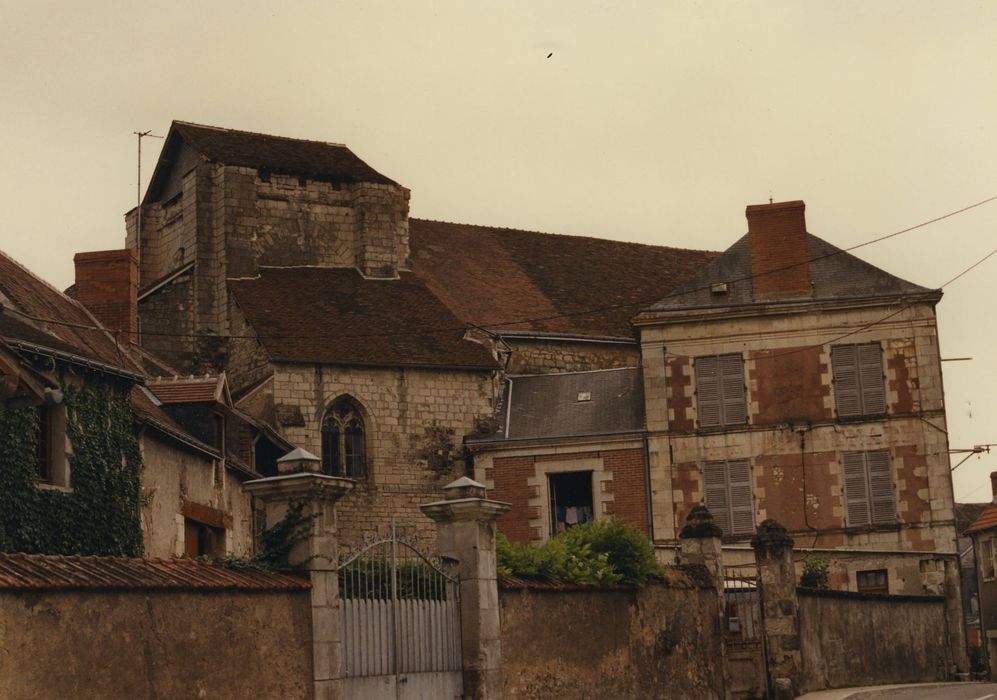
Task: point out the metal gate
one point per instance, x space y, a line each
744 639
400 623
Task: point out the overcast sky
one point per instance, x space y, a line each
640 121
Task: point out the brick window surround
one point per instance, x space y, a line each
729 492
720 390
859 383
868 493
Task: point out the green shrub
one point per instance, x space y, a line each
815 572
598 553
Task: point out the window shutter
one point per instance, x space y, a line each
856 491
708 391
715 489
742 511
732 389
870 370
881 486
844 367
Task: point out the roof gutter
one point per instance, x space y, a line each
74 359
497 443
564 337
187 440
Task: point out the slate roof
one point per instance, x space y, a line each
490 275
986 521
336 316
555 405
67 326
48 572
316 159
836 275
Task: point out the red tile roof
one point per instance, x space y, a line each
986 521
336 316
488 276
188 389
68 327
44 571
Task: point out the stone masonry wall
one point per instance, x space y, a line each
408 416
659 642
542 357
143 645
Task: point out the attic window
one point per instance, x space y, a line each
718 288
584 395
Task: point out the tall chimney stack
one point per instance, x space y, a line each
107 284
778 237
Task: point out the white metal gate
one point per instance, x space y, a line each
400 623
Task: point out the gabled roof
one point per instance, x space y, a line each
33 314
336 316
968 513
487 276
836 276
279 154
986 521
200 389
147 409
566 404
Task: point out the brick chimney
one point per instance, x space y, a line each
107 284
778 237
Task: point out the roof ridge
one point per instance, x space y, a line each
226 129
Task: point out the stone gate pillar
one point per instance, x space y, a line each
780 608
466 527
299 481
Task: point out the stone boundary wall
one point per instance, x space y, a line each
145 644
855 639
659 642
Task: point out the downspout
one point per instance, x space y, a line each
647 489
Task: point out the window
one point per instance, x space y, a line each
202 540
570 500
986 554
343 452
51 464
729 493
872 581
720 390
858 380
868 488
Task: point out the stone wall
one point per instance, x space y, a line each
852 639
411 416
537 356
140 644
660 642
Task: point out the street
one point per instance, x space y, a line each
967 691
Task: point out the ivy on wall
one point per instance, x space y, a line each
100 514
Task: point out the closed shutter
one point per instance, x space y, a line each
708 391
881 487
742 511
856 489
870 370
715 489
844 367
732 389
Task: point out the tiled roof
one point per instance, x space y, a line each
573 403
72 329
986 521
491 275
43 571
204 389
335 316
968 513
331 161
836 275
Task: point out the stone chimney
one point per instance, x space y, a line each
778 237
107 284
993 485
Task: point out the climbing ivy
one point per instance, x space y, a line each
100 514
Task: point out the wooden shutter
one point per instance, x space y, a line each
742 511
856 489
715 490
870 372
732 389
881 486
844 367
708 391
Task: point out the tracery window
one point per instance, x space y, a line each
343 449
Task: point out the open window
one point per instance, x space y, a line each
570 500
51 462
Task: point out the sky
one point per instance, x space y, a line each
655 122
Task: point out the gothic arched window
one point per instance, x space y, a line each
343 451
